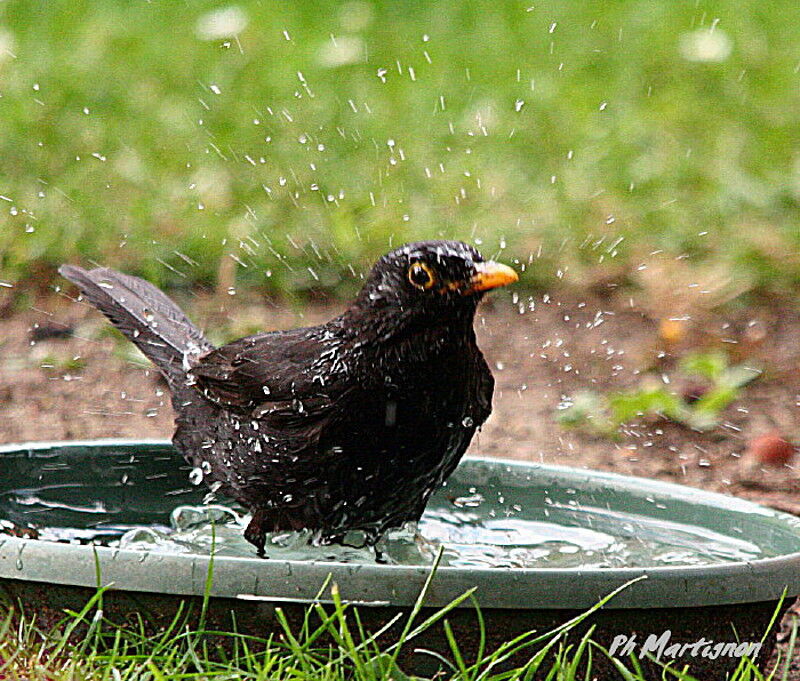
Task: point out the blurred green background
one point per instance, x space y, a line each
284 145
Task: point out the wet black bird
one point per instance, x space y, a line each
346 426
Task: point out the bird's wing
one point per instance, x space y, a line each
483 388
269 375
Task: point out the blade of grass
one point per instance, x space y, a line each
417 605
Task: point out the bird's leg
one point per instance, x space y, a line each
380 557
255 533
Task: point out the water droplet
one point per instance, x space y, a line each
468 501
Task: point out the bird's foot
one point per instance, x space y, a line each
256 534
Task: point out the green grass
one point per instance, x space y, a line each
330 645
576 135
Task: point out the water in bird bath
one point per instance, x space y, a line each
488 515
567 536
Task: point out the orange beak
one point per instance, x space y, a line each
490 275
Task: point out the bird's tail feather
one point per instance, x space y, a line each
146 316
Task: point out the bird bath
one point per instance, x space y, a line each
540 543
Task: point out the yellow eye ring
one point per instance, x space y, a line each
421 276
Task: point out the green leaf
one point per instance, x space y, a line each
586 406
630 405
383 666
715 400
739 376
710 365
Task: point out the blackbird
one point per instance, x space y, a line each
346 426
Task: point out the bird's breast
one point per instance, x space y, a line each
416 403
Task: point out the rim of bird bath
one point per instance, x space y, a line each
279 580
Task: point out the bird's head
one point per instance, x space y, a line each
430 283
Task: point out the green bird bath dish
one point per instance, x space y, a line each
540 544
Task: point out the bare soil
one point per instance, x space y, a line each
82 386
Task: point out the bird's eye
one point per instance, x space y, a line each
420 275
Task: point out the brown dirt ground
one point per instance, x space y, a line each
560 346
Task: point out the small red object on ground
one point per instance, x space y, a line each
771 449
